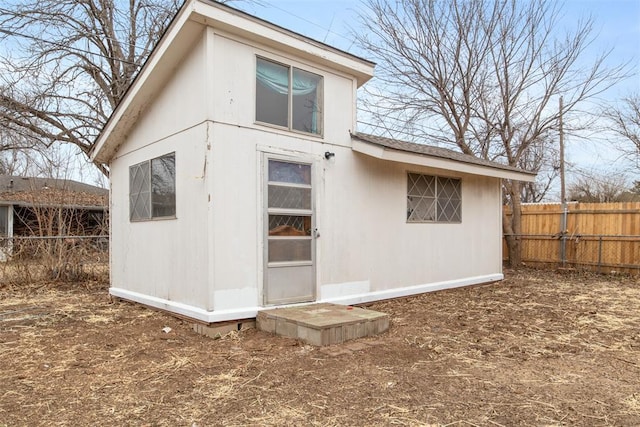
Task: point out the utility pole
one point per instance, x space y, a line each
563 196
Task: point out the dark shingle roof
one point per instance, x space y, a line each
21 183
431 151
51 191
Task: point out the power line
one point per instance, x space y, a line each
315 24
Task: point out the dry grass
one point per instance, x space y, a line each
32 259
537 349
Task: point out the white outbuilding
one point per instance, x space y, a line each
239 181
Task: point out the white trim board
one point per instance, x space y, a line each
251 312
390 154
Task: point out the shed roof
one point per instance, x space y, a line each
437 157
181 34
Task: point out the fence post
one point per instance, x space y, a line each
600 254
563 234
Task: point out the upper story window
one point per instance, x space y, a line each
433 199
288 97
152 188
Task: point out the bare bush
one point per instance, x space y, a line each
34 259
58 235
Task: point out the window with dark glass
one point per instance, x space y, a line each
4 225
433 199
4 221
288 97
152 188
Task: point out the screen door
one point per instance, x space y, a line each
289 235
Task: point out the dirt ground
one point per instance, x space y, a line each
539 348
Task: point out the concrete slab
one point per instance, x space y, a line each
323 324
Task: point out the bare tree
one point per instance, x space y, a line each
596 187
22 155
542 157
624 120
16 152
66 64
483 76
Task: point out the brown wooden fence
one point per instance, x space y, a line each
603 237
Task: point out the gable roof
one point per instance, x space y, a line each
28 191
181 34
436 157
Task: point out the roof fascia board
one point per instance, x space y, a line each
384 153
252 28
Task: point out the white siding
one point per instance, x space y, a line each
236 153
167 258
361 216
368 238
180 105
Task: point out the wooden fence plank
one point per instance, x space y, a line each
600 236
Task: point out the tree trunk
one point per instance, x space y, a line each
512 227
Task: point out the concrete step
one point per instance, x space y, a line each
323 324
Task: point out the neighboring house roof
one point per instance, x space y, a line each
30 191
436 157
183 31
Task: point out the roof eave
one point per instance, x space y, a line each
390 154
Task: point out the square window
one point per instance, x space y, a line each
288 97
433 199
152 188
